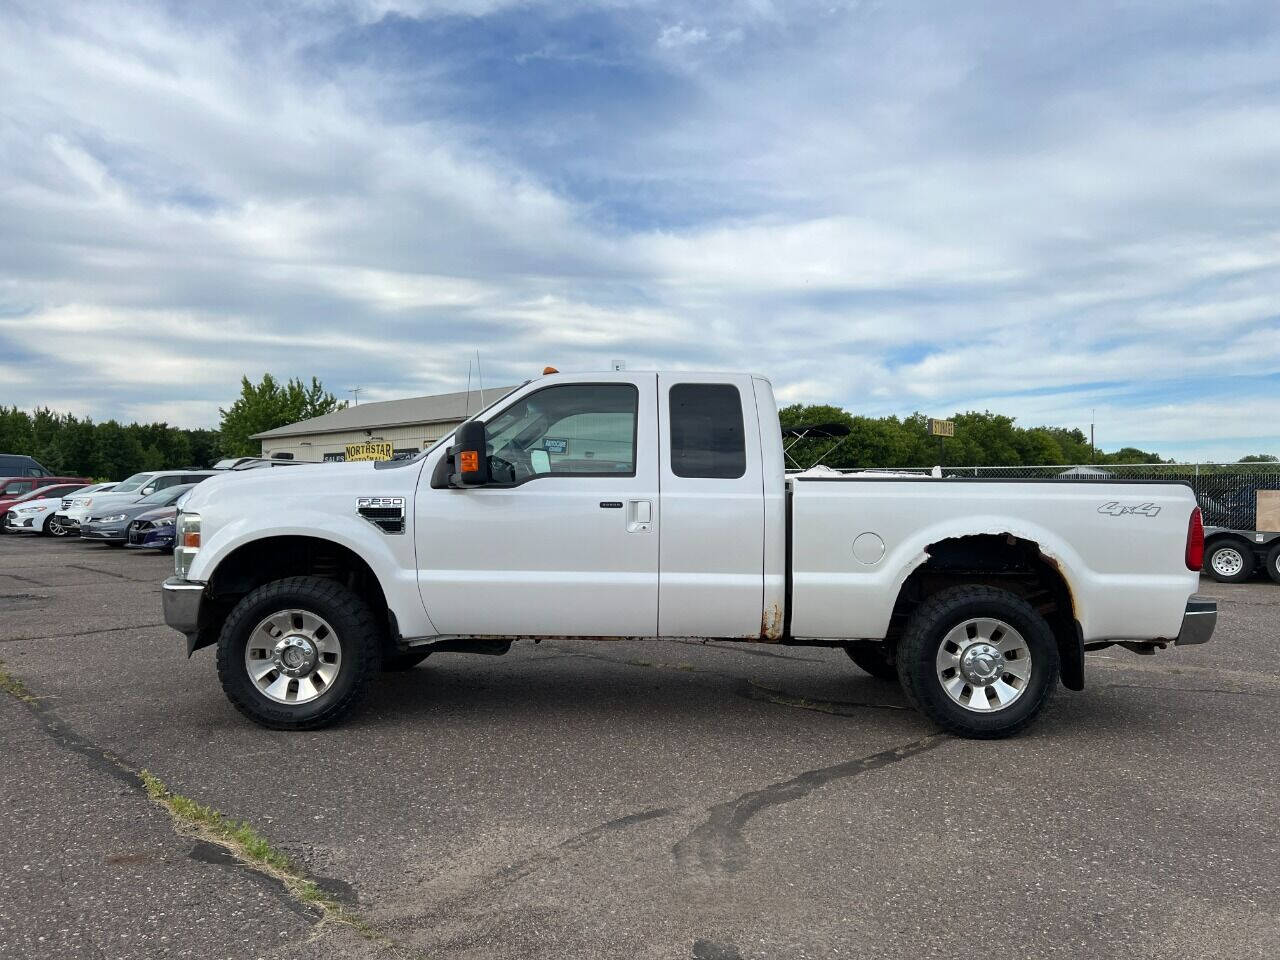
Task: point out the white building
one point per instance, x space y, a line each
377 431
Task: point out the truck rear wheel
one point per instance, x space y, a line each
1229 561
296 654
874 659
978 661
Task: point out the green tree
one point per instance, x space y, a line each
982 439
1259 458
267 405
15 430
118 452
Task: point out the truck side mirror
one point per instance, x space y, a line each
470 454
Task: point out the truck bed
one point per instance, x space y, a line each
1120 545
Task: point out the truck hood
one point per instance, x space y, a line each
298 483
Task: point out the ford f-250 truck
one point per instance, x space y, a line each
641 505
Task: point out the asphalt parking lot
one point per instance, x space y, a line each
603 800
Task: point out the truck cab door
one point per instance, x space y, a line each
713 513
565 541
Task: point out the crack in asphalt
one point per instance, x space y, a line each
83 633
106 761
1229 693
840 708
522 868
111 573
746 648
718 845
34 583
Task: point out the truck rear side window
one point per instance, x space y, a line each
707 438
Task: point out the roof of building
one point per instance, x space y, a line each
441 408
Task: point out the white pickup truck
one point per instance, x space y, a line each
645 505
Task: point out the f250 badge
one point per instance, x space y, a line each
385 513
1115 508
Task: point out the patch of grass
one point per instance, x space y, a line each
249 846
13 686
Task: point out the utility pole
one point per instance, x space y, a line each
1093 416
355 394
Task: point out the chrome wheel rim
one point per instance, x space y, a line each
55 528
1227 561
293 656
984 665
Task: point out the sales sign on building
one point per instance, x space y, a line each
370 450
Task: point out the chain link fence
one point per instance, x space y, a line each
1227 491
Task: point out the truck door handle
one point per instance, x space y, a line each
639 515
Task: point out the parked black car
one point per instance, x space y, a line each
113 528
153 529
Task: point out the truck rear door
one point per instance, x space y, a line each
711 554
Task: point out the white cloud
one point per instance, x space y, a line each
876 206
676 35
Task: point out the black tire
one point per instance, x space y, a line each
873 658
925 634
353 623
395 661
1222 553
1273 563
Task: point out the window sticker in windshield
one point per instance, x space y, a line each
553 445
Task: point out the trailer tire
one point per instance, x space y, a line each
1229 560
1273 563
334 628
873 658
978 661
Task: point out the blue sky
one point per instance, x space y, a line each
1038 209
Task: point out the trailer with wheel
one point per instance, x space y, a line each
1233 556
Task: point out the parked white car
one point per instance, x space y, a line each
72 509
641 505
127 491
39 516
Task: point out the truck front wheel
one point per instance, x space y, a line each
296 654
978 661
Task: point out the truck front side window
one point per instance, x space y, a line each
583 429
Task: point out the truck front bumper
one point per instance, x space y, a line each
1198 621
182 600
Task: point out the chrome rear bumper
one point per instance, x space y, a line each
1198 621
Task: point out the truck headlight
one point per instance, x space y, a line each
186 543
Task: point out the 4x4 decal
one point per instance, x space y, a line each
1115 508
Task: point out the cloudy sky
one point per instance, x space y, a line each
1034 208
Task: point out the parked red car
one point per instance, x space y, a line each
13 489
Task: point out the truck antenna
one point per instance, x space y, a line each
467 413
